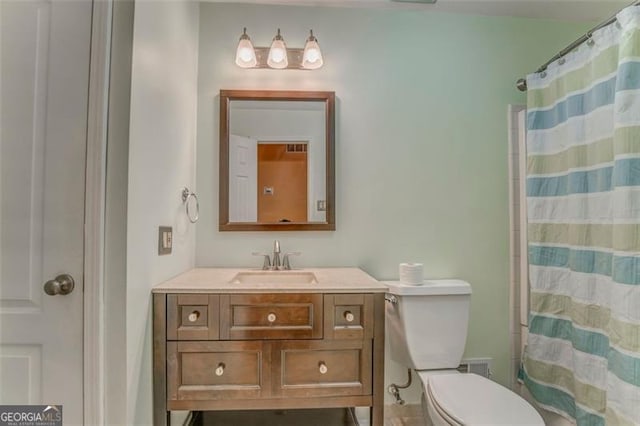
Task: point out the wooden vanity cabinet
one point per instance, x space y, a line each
268 351
270 316
217 370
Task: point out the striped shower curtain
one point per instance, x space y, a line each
582 358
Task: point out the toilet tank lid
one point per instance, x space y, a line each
429 288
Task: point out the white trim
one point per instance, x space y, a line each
517 232
280 139
525 285
97 120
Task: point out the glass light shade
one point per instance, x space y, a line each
245 54
312 56
278 53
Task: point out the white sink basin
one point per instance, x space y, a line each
274 277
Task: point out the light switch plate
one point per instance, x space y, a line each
165 240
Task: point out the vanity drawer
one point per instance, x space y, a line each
322 368
192 316
348 316
217 370
271 316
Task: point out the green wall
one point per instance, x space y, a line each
421 153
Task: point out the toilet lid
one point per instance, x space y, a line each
474 400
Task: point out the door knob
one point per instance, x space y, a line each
62 284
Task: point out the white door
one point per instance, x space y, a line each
44 73
243 179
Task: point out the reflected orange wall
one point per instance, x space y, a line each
286 173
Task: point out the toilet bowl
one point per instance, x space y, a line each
427 329
470 399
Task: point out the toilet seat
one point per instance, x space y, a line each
470 399
439 412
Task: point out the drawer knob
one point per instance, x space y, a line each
322 367
220 369
193 316
349 316
271 317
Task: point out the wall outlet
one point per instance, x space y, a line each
322 205
165 240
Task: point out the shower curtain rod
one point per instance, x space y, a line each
521 84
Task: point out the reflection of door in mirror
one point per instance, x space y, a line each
242 179
288 124
282 182
298 131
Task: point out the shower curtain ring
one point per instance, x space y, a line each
590 40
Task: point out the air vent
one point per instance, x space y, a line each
480 366
296 147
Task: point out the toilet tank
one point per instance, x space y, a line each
427 324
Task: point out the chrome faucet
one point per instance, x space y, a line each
285 260
275 264
266 265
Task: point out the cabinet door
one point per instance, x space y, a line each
199 371
270 316
303 369
192 316
348 316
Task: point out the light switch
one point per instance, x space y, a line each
165 240
322 205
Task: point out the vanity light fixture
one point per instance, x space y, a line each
278 55
245 54
312 56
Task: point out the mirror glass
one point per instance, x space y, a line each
276 151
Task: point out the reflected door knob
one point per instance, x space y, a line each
63 284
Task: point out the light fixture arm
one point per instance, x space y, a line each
244 35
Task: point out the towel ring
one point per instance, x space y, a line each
186 195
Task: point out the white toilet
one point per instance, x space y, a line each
427 330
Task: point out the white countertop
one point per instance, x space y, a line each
218 280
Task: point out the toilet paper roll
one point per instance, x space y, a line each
411 273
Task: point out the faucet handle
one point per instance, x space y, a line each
267 261
276 246
285 260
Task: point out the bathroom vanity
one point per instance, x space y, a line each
238 339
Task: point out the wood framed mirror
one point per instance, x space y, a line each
277 161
